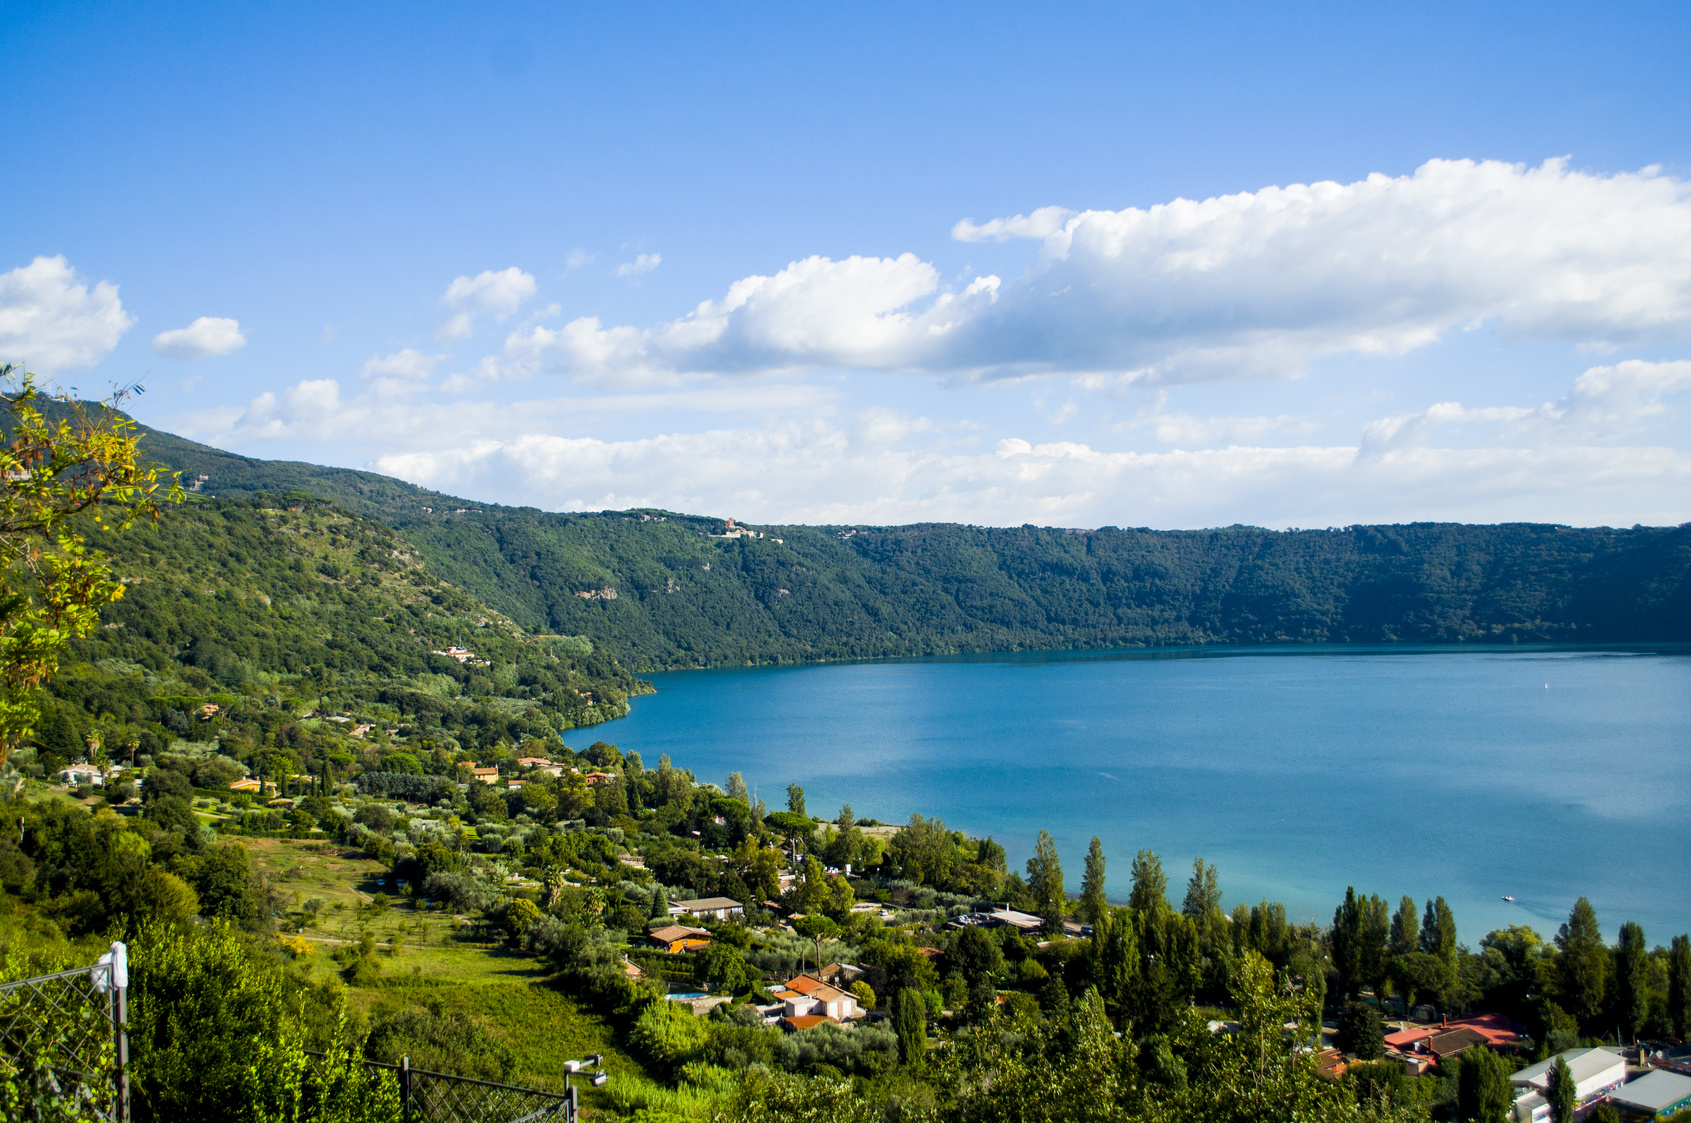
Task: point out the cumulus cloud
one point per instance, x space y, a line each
498 294
51 320
815 312
205 338
820 472
1605 402
407 364
643 263
1253 285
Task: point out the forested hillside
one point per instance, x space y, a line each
684 595
309 633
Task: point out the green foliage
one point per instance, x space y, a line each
216 1034
1585 962
910 1022
1362 1032
61 1077
1483 1091
1045 882
1092 903
440 1041
1560 1090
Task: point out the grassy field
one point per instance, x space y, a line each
436 957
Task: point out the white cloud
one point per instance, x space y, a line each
1042 223
1605 402
50 320
643 263
408 364
577 258
205 338
818 472
498 294
1253 285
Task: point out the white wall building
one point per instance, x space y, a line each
1595 1071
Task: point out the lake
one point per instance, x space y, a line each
1545 774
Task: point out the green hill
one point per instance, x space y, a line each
686 596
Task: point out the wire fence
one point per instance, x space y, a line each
64 1052
439 1097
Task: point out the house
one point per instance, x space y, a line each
677 938
541 764
1595 1071
82 774
513 784
719 907
462 654
840 974
252 785
486 775
802 1022
1657 1095
597 778
808 995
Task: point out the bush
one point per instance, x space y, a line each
440 1042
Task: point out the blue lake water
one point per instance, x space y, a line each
1543 774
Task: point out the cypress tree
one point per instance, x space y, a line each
1203 891
910 1022
1045 882
1092 903
1483 1091
1404 930
1679 986
1150 884
1561 1090
1632 996
1584 961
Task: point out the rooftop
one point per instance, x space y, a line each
1583 1063
674 932
1654 1092
708 904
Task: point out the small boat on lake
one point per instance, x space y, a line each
1507 897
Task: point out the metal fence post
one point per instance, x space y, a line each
405 1088
120 1028
573 1105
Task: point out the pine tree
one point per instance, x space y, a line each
736 788
795 799
1045 882
1092 903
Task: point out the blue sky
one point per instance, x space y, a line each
474 246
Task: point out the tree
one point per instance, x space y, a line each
1632 973
1362 1032
1438 932
723 964
795 800
1404 931
1150 884
817 927
1092 903
1203 891
1347 943
1045 882
1585 962
910 1022
1679 986
736 788
1483 1091
53 587
1560 1090
975 954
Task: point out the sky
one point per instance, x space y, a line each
1071 265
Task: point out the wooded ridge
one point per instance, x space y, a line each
666 590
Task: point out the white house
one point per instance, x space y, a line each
1595 1071
82 774
719 907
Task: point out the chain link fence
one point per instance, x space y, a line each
63 1049
438 1097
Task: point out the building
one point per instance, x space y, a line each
677 938
719 907
1595 1071
809 996
1657 1095
461 654
1001 918
541 764
82 774
486 775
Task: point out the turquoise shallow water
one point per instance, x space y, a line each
1543 774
